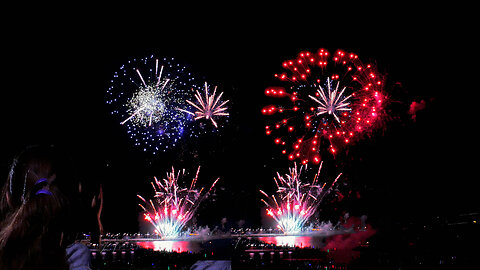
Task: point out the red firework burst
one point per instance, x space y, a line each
331 96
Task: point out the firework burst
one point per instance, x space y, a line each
208 107
173 206
144 95
331 102
334 97
296 201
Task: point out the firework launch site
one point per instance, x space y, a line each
443 243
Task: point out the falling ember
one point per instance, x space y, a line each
331 96
295 200
172 206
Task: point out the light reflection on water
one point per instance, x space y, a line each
170 245
195 245
294 241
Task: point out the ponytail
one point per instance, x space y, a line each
32 236
35 213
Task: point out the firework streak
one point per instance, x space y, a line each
208 107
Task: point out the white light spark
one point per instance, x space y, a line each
147 104
207 107
332 101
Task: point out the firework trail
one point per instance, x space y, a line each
207 107
334 97
145 94
295 200
173 206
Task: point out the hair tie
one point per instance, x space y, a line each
43 191
41 180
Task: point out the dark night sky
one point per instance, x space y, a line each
57 69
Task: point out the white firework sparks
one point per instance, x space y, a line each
147 104
332 101
208 107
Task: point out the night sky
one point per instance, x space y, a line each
57 68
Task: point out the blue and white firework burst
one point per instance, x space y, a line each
145 95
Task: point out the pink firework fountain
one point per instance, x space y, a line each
295 200
173 206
